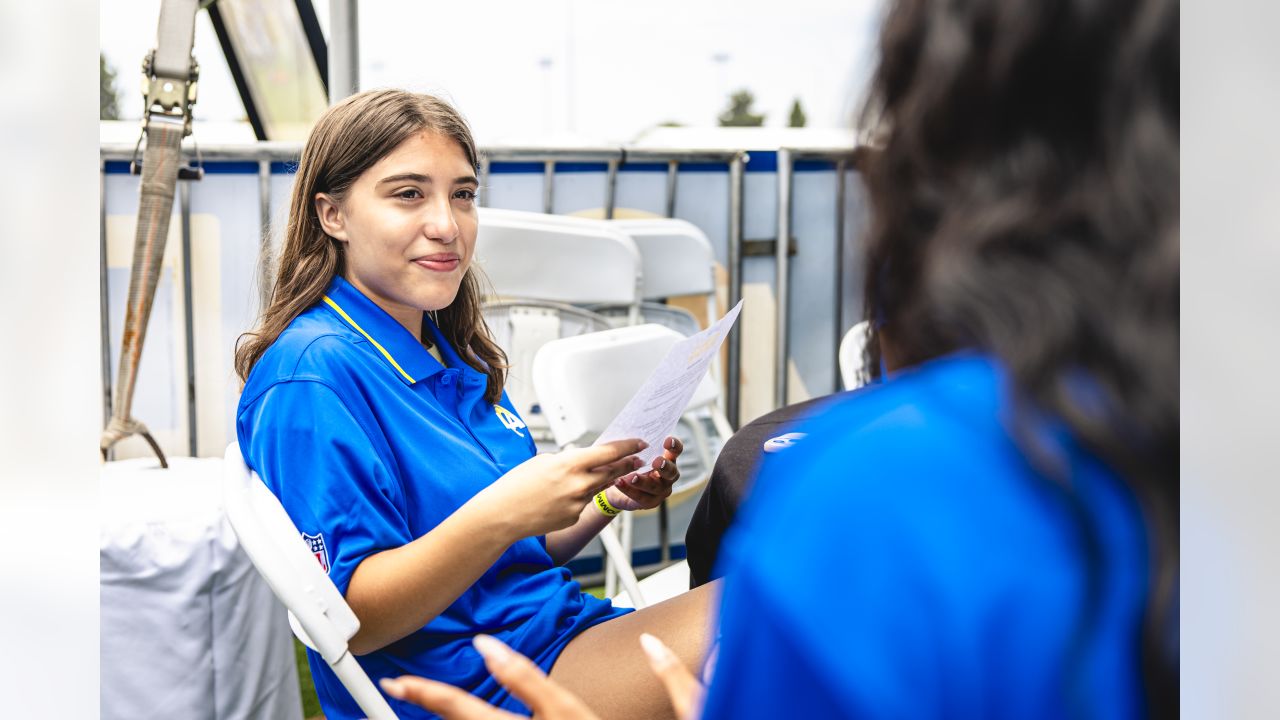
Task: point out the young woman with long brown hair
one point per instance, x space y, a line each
373 408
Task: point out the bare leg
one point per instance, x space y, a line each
607 669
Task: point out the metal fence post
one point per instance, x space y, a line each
673 175
841 168
104 298
188 315
344 49
548 186
610 189
733 372
782 267
483 196
265 256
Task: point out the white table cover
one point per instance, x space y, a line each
189 628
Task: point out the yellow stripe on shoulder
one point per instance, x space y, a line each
368 337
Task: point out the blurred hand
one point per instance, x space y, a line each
682 687
531 686
515 672
646 490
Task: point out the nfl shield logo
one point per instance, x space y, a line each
316 544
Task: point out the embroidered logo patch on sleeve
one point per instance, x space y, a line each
316 544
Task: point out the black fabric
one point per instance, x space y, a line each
731 481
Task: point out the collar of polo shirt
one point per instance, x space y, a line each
404 354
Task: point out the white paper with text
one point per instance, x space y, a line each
652 413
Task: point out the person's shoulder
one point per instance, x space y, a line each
312 349
922 464
953 396
937 431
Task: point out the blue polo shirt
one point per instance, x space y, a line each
369 442
903 560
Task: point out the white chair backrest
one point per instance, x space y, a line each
521 328
569 260
583 382
672 316
676 257
677 260
318 613
852 364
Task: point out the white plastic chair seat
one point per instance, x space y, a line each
584 382
662 585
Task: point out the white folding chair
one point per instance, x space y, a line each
318 614
558 258
676 318
852 364
662 585
520 328
675 258
583 382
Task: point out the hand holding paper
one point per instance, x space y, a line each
652 413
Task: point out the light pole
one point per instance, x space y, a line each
545 63
721 59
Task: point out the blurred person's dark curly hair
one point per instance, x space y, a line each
1023 181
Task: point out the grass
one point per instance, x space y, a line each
310 704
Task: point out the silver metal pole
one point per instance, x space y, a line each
733 373
104 297
483 199
344 49
266 278
841 168
184 204
783 289
548 186
610 189
673 174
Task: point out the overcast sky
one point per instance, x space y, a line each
598 69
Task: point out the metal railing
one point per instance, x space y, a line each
614 159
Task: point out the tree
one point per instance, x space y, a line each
739 112
798 118
108 98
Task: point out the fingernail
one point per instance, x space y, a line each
636 463
492 649
662 464
659 654
671 443
643 445
635 479
392 687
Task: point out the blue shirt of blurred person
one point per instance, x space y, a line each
906 560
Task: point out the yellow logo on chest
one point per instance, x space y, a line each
509 420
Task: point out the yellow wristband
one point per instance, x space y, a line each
604 506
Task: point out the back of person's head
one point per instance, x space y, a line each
348 139
1024 198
